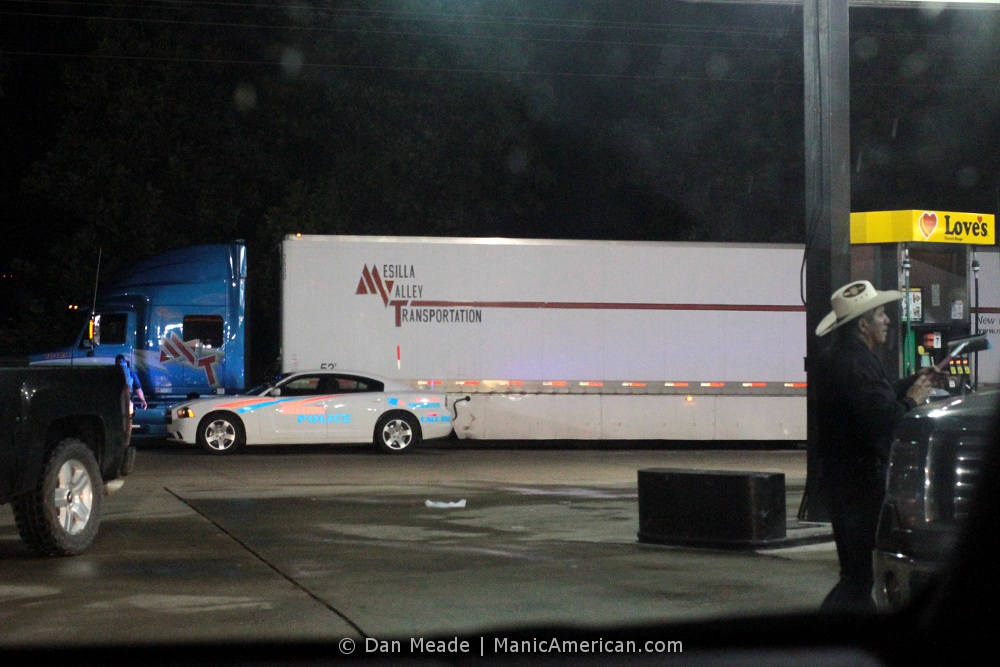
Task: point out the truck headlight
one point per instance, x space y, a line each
907 482
185 413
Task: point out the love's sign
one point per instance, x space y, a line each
923 227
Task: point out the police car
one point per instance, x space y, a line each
315 407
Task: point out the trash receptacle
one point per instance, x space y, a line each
711 509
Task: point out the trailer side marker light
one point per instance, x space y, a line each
554 383
675 384
689 399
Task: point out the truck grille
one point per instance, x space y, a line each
968 467
954 461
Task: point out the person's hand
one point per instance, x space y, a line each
920 390
937 377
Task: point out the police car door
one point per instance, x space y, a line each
355 409
298 413
342 409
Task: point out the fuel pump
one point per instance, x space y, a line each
930 257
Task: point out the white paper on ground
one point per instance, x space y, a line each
441 503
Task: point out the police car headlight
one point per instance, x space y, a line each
185 413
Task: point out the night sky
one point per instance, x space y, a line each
30 108
924 105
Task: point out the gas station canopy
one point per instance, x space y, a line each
922 226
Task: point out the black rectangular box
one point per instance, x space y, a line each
712 509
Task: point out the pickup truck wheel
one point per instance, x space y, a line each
396 433
221 433
60 517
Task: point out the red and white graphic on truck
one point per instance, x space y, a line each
173 349
411 308
404 297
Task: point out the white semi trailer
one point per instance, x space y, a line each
562 339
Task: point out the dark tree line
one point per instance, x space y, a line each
635 120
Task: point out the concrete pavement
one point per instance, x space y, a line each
325 542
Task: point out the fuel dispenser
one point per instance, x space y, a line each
930 256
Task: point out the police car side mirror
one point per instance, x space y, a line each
275 392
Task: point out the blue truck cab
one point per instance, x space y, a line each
180 320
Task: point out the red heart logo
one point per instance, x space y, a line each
928 221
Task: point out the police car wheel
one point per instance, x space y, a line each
221 433
396 433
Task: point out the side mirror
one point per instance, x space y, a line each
274 392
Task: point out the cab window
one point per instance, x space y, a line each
206 329
111 329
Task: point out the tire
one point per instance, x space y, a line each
396 433
60 517
221 433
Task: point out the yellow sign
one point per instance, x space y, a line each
923 227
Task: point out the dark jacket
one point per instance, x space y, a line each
858 406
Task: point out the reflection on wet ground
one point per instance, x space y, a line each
327 543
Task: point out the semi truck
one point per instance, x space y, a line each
179 319
549 339
560 339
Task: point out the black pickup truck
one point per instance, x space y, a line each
934 471
64 441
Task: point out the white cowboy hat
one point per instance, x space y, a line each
853 300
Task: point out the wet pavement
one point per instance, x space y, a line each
327 542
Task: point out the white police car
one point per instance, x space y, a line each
315 407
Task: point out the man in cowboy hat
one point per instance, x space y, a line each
858 408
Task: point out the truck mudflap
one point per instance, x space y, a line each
128 462
124 470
